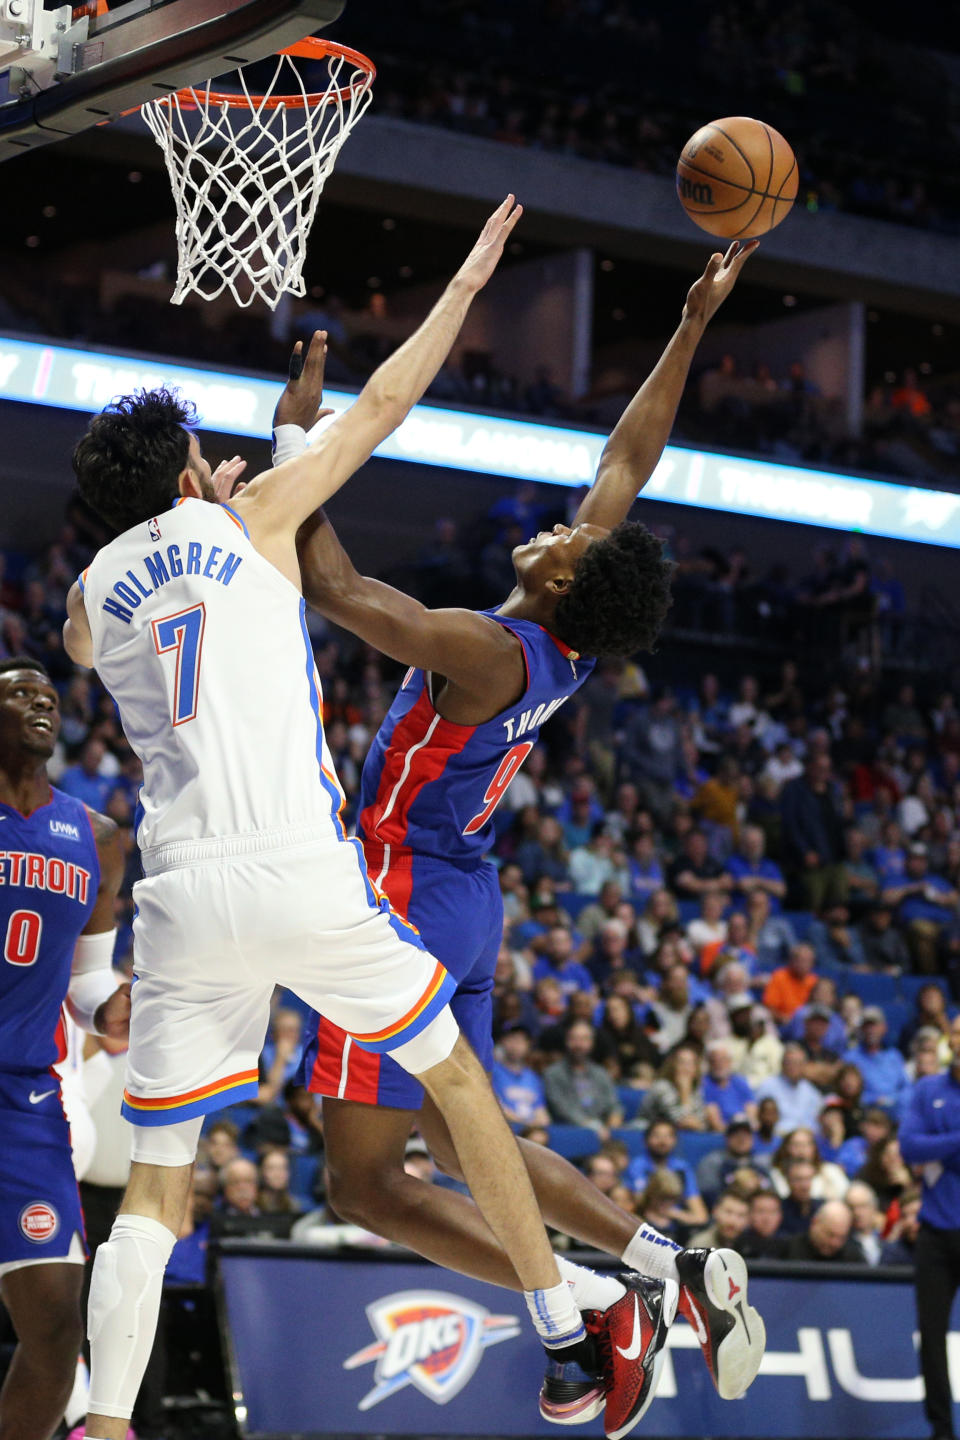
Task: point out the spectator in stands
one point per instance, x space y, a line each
762 1057
924 903
884 1075
239 1188
646 869
867 1221
797 1099
770 936
695 873
766 1139
717 1168
89 781
789 987
885 1171
822 1062
273 1196
636 1056
303 1116
594 916
726 1094
659 1204
863 884
557 962
671 1010
813 834
593 864
188 1261
750 869
611 954
835 944
222 1144
544 853
828 1237
579 1092
799 1206
762 1239
824 995
659 913
709 927
651 751
281 1054
736 946
730 1216
659 1156
716 802
924 1058
516 1085
829 1180
901 1243
930 1013
601 1171
675 1094
882 945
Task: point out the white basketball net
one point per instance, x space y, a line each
247 178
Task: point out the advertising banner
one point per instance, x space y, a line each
358 1346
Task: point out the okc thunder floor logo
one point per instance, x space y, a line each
429 1339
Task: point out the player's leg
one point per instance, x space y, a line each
44 1305
127 1281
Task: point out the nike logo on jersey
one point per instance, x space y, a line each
35 1098
937 1104
632 1351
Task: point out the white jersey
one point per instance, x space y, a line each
203 645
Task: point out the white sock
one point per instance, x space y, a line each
556 1318
590 1290
123 1309
651 1253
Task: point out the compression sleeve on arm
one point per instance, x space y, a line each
92 977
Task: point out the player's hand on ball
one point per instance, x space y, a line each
482 260
301 402
707 294
113 1016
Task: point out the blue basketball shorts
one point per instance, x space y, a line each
459 915
40 1214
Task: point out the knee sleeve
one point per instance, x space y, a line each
431 1046
166 1144
122 1312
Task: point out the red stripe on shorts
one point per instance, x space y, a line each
363 1076
325 1076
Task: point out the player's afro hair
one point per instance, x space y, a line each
128 461
23 662
620 594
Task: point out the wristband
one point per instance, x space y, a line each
289 441
92 978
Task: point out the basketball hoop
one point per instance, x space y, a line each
247 171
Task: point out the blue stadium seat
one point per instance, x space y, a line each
692 1146
800 922
630 1100
689 910
633 1139
573 904
898 1012
574 1142
239 1115
303 1172
872 989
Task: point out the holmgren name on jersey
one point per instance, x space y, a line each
158 569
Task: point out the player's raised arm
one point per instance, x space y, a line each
77 640
633 451
283 497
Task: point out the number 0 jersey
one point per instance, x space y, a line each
203 645
429 786
49 877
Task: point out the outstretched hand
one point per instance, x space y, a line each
225 477
482 260
707 294
301 402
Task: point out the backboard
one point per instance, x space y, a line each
67 69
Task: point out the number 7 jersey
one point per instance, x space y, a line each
429 786
203 645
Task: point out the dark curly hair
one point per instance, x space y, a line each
620 594
128 461
23 662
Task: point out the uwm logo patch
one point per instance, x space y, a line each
429 1339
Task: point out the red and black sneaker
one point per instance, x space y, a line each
574 1388
713 1297
630 1338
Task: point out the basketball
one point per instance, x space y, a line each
737 177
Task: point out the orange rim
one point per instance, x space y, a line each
312 48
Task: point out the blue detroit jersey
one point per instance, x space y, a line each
430 786
49 877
